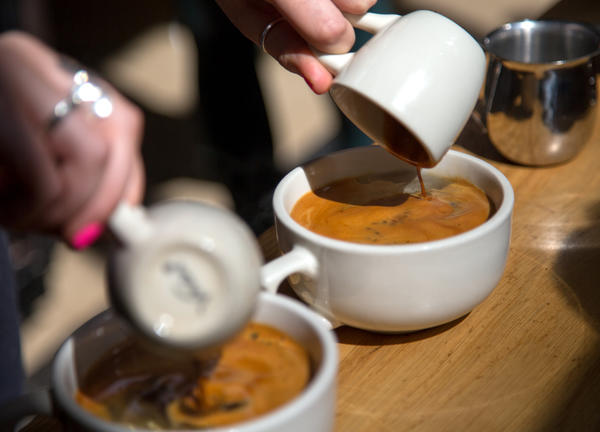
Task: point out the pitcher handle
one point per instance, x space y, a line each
130 224
372 22
369 22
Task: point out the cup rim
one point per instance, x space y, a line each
550 22
503 212
320 383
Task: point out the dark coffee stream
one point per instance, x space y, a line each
421 183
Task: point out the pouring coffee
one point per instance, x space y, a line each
411 87
189 275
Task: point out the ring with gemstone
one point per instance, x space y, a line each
83 91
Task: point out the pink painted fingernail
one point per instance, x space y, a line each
87 235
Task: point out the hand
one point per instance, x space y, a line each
64 180
318 23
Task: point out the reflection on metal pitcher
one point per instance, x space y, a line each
541 90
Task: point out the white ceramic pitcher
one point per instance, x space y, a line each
412 86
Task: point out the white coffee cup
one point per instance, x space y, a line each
187 273
420 73
390 288
312 410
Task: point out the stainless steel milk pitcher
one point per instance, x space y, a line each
541 89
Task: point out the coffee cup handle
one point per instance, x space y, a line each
298 260
15 411
369 22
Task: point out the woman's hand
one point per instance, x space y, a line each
66 179
318 23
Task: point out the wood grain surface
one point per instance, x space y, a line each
527 358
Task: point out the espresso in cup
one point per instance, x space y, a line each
259 370
393 208
390 288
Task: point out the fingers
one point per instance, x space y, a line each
134 189
28 87
70 177
355 6
98 164
292 52
120 178
320 23
310 23
80 154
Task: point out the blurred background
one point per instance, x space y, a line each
224 122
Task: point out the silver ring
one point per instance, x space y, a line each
265 32
83 91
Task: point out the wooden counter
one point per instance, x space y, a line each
528 357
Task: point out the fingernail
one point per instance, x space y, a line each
87 235
309 84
